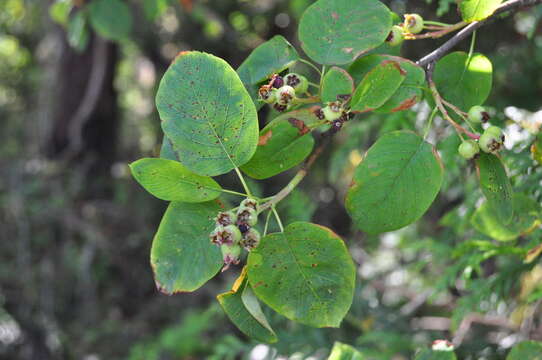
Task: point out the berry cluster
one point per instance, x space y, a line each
413 24
491 141
336 113
281 91
234 230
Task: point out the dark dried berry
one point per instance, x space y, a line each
278 82
485 117
336 125
243 228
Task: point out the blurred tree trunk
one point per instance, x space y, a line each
84 112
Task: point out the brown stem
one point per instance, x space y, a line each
436 34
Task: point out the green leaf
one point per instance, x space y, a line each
476 10
154 8
464 82
495 186
271 57
336 81
244 311
60 12
166 151
111 19
281 146
77 31
526 215
182 256
304 273
536 149
169 180
378 86
526 350
409 92
342 351
338 31
428 354
207 114
395 184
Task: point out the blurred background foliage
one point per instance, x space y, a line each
75 229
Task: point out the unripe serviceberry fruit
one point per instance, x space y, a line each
396 36
247 216
492 140
226 218
298 82
332 111
230 255
249 203
268 94
478 114
229 235
413 23
468 149
285 95
251 239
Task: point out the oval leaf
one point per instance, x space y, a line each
526 350
395 183
464 82
526 215
336 82
409 92
182 257
495 186
310 259
207 114
166 151
255 326
378 86
284 143
476 10
112 19
169 180
338 31
271 57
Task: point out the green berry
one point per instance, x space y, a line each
229 235
226 218
251 239
478 114
492 140
298 82
247 216
396 36
286 95
268 94
332 111
413 23
468 149
230 254
249 203
216 235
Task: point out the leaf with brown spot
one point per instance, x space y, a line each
299 125
323 293
288 146
182 257
264 138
